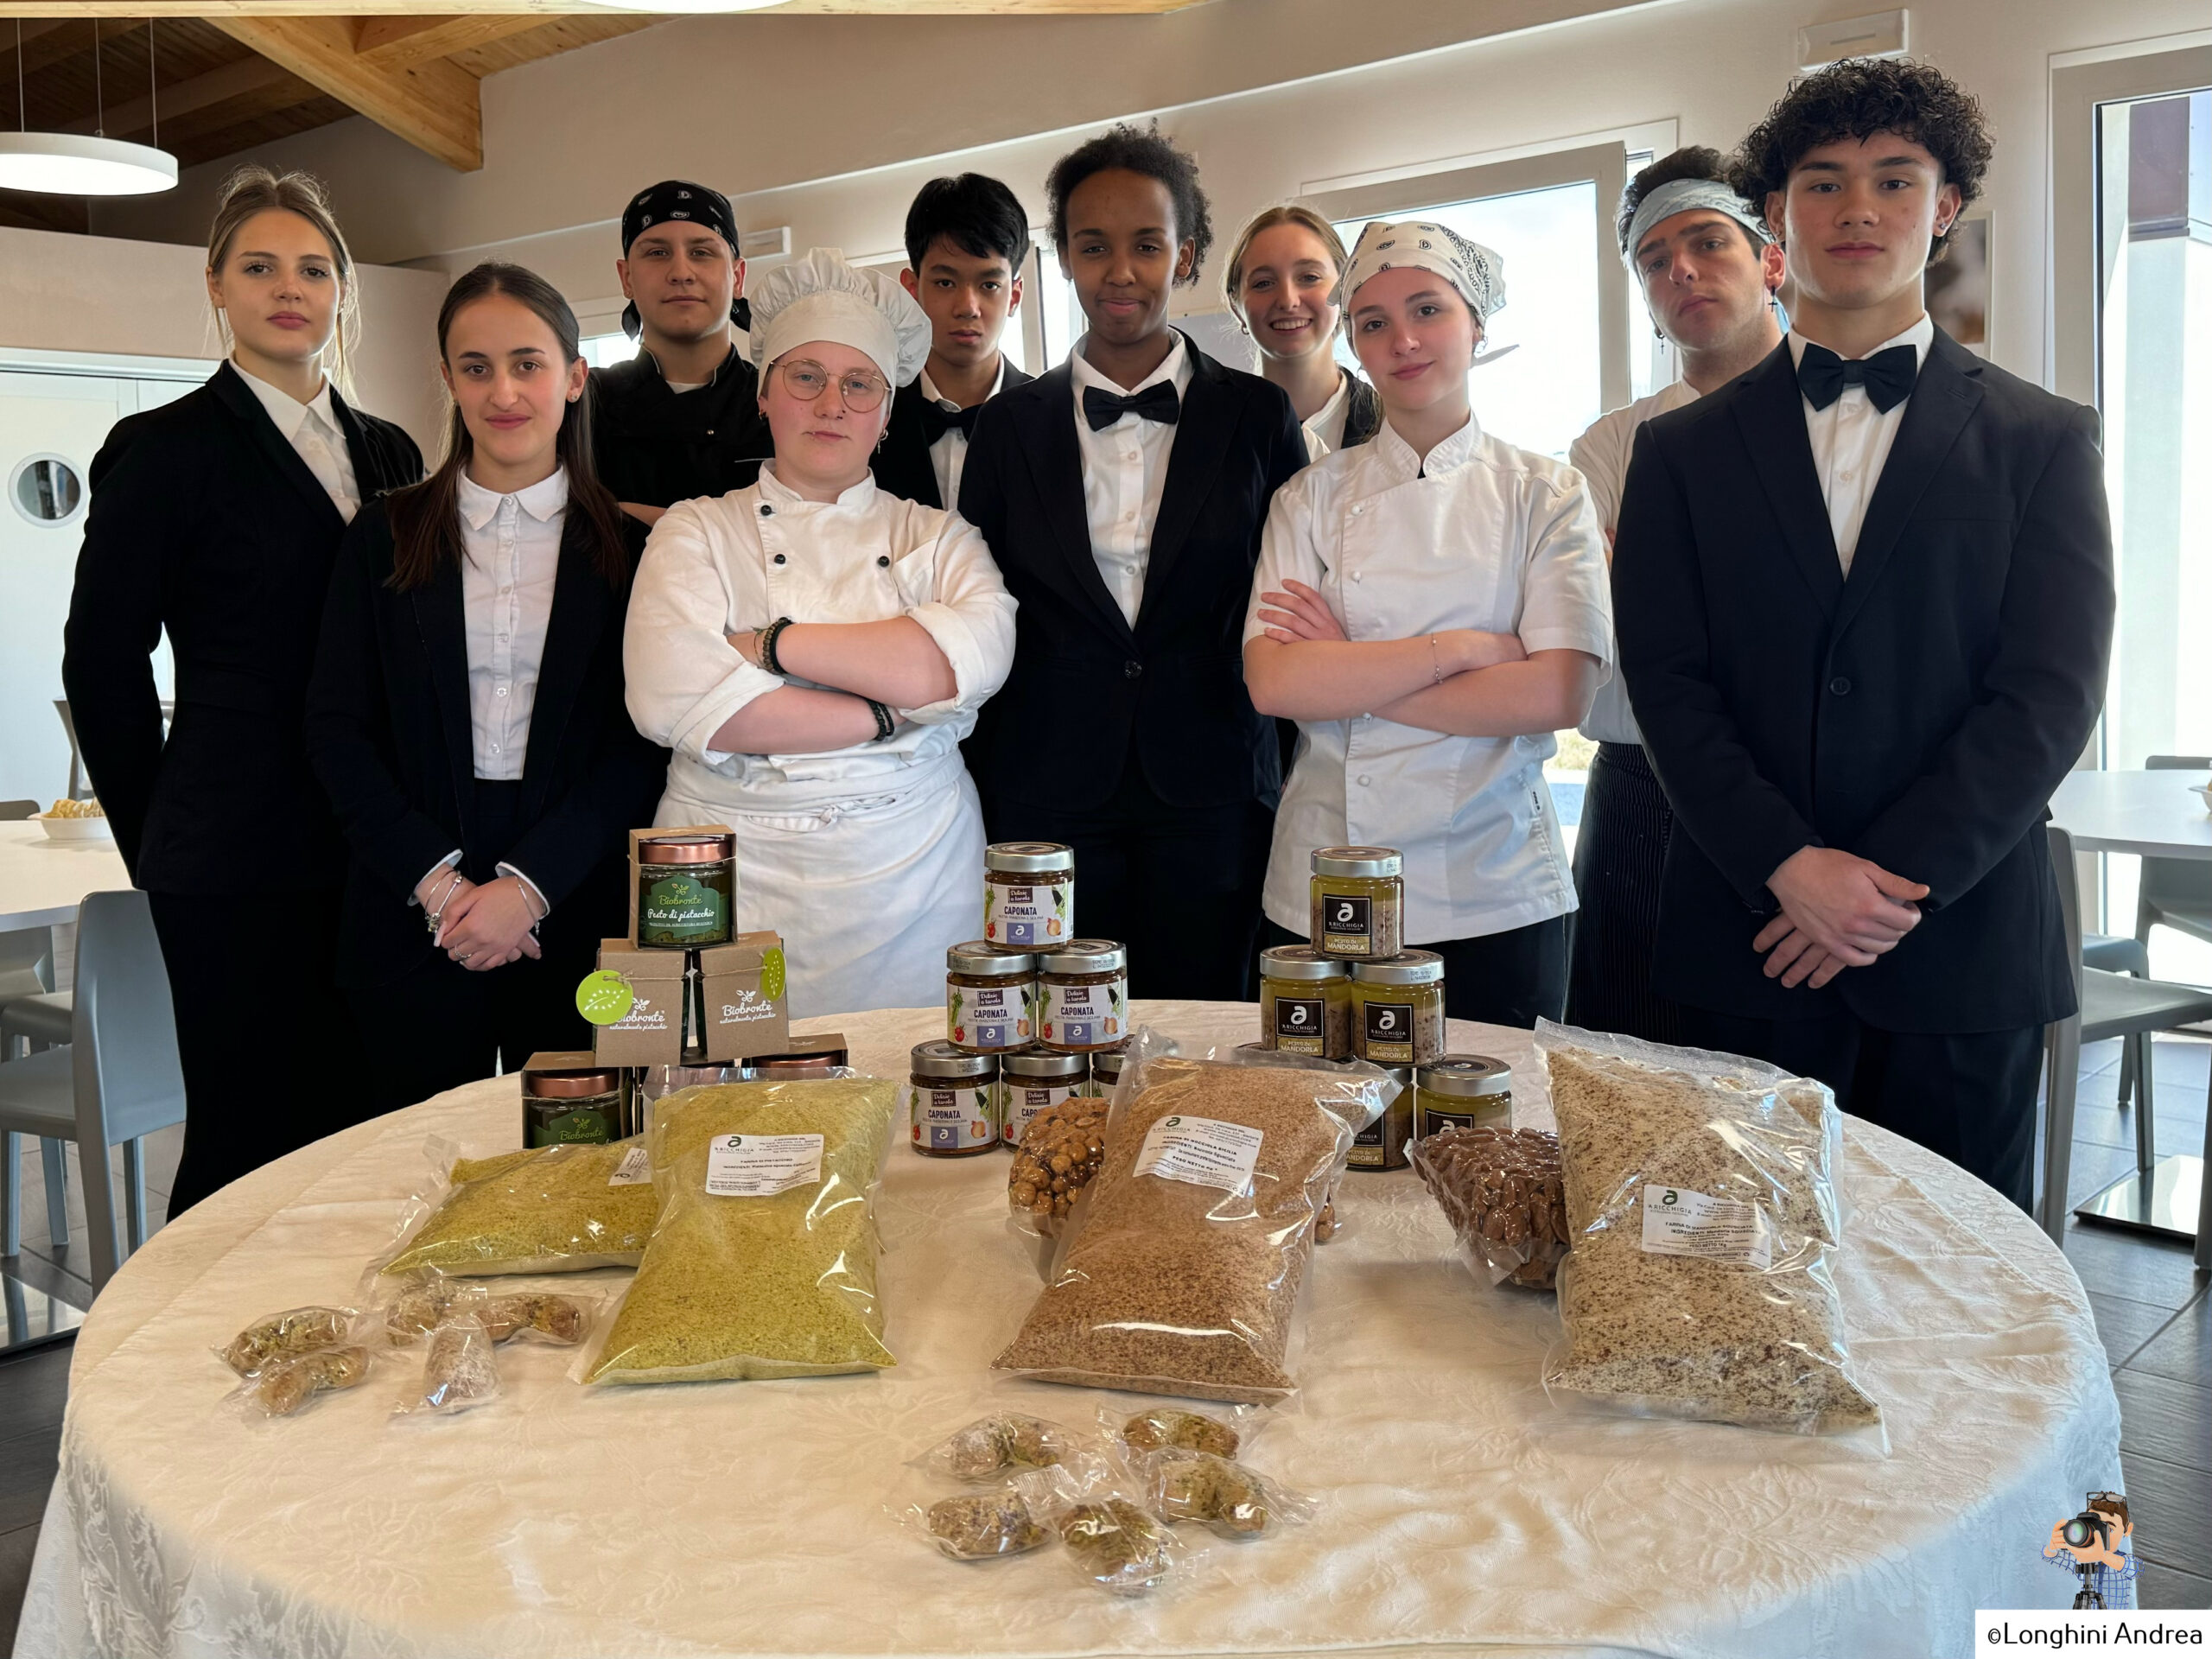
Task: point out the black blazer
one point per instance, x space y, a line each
205 522
902 465
388 730
1919 715
1172 688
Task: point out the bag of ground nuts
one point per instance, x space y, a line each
560 1208
1705 1222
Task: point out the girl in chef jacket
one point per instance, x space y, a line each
813 650
1430 607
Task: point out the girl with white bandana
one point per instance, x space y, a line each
814 650
1430 607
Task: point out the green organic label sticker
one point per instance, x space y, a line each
772 974
604 997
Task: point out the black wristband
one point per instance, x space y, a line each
884 724
769 635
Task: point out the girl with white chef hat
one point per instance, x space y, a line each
813 650
1430 607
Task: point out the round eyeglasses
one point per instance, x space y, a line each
861 390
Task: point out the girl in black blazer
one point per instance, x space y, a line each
1122 494
466 714
216 519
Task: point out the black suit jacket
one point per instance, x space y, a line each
389 729
1087 689
206 522
902 466
1919 715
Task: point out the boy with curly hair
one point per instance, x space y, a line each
1864 598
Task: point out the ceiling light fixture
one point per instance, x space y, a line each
71 164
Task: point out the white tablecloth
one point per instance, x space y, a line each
1459 1512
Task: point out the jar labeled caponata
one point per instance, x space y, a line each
1460 1091
1304 1002
1034 1080
1084 995
1397 1008
687 891
990 998
1106 1066
1028 894
1358 902
952 1100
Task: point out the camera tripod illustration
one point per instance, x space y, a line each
2087 1544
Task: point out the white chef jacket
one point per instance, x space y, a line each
1124 474
1482 535
1851 440
1601 455
312 429
948 455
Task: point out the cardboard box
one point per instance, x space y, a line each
637 835
742 999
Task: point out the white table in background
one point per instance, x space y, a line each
1459 1512
42 881
2153 814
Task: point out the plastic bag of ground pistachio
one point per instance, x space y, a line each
764 1260
555 1209
1704 1220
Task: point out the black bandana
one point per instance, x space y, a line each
694 204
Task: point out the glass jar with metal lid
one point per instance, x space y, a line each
990 998
952 1100
1106 1066
562 1107
1397 1008
1033 1080
1028 894
1460 1091
1304 1002
1358 902
1382 1144
687 891
1083 995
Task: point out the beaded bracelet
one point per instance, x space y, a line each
884 724
769 635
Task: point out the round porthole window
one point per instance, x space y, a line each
46 489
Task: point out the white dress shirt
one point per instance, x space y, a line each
313 431
1851 440
1324 432
1481 536
1601 455
512 544
948 455
1124 473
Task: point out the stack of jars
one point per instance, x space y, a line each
1353 991
1033 1014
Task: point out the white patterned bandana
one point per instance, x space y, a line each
1476 273
1683 196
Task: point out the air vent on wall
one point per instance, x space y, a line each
1877 34
764 245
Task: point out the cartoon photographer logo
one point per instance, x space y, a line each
2094 1547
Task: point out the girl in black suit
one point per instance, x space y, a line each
466 714
216 519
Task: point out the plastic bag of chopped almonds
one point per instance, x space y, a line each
1501 1190
1702 1204
1183 1262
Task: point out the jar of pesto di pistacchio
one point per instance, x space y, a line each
561 1108
1397 1009
1460 1091
1084 995
687 891
1028 894
990 998
1358 902
952 1100
1304 1002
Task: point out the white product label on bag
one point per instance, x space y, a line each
1201 1151
761 1165
1678 1222
635 1169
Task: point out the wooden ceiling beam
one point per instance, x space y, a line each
432 104
211 11
233 80
20 211
394 42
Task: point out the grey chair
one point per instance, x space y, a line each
2176 893
27 1022
117 1080
2113 1005
16 811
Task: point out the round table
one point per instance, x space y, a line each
1459 1512
42 881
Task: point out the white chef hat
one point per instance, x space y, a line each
1476 273
822 297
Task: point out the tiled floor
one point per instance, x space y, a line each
2150 1302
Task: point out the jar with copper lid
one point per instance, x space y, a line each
559 1108
1397 1008
687 891
1028 894
1033 1080
1083 995
1359 899
990 998
952 1100
1460 1091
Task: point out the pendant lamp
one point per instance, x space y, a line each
72 164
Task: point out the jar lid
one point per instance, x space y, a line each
1406 968
1085 956
1106 1063
571 1085
1028 857
1299 961
1465 1076
686 849
1358 861
986 961
1042 1064
940 1060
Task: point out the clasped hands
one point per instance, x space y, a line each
1839 911
481 927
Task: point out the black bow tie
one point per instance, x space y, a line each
1156 403
1887 375
938 420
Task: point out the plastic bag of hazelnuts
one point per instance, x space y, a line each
1500 1189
